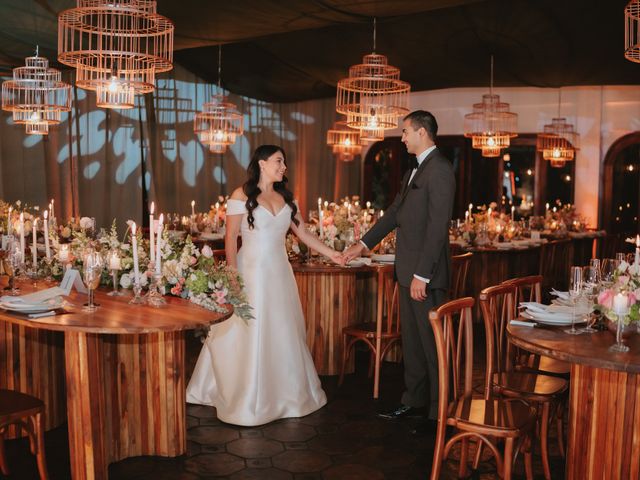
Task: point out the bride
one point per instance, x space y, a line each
259 371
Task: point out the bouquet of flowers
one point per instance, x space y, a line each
622 298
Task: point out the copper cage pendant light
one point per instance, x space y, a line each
219 123
116 46
558 141
36 95
491 125
344 141
373 97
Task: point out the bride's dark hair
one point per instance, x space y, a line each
251 189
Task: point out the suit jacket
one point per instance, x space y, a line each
421 213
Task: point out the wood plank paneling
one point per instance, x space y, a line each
32 362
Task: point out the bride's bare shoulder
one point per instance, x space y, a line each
238 194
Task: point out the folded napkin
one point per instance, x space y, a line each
535 307
359 261
35 297
562 295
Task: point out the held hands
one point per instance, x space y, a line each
337 258
352 252
418 290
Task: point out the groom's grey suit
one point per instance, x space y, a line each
421 213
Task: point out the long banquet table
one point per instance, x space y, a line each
125 375
604 408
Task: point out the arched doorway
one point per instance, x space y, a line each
620 207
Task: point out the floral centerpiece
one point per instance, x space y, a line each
622 298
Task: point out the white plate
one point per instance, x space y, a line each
33 307
383 257
211 236
550 319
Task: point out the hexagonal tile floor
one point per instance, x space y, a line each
344 440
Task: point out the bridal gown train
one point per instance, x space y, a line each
259 371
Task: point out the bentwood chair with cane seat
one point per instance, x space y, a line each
380 335
459 270
546 392
484 420
27 412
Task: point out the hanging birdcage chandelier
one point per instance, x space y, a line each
491 125
344 141
220 122
558 141
116 46
36 95
373 97
632 31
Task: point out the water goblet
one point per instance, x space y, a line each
575 288
621 257
621 309
339 244
590 290
9 263
115 265
92 271
609 266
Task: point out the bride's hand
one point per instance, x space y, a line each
338 258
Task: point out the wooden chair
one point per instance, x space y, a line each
459 269
529 289
485 420
555 259
27 412
545 391
380 335
220 255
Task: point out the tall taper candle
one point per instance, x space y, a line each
152 229
21 237
9 226
47 248
158 243
34 244
134 243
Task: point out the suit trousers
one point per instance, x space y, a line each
419 350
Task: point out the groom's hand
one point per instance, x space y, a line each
418 290
352 252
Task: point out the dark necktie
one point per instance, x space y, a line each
413 162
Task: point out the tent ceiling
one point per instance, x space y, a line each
291 50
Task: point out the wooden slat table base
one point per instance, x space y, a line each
125 396
32 362
604 424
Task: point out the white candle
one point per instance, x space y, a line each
348 210
555 209
319 207
193 208
381 213
637 259
216 219
620 304
151 230
466 217
34 245
21 237
159 241
470 208
47 248
513 212
9 226
53 214
368 205
114 261
134 242
546 208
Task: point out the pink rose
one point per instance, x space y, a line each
631 299
623 280
177 289
192 260
606 299
221 296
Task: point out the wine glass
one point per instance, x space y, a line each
609 266
595 263
590 280
93 263
10 263
575 288
621 257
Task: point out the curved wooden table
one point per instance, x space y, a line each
333 297
604 411
124 378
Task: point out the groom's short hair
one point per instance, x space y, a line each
426 120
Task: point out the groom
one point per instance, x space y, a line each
421 214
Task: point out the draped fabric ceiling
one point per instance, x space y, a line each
276 55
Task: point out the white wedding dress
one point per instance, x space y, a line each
258 371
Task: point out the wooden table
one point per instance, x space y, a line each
124 367
604 409
333 297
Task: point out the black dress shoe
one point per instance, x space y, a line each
402 411
428 427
